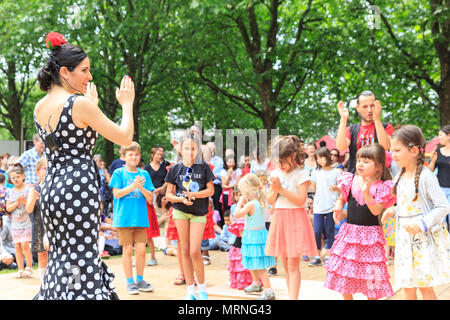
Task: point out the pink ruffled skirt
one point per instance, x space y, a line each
358 262
239 276
291 234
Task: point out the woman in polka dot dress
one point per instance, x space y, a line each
70 200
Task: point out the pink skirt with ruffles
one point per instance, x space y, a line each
239 276
358 262
291 234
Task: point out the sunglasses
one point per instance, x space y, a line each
334 155
188 175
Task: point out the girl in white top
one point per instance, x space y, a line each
422 244
291 234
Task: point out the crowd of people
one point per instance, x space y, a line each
274 206
232 204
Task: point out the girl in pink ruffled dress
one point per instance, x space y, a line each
239 276
358 261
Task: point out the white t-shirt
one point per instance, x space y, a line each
233 179
290 182
324 199
255 166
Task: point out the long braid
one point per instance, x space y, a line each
394 190
420 162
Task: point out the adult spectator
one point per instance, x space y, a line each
441 160
217 162
163 161
310 162
29 158
335 159
369 130
157 169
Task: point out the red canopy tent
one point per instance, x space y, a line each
330 144
429 147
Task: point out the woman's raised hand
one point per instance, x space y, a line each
125 94
92 93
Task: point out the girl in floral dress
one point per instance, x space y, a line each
422 253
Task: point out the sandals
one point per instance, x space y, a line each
19 274
179 280
27 273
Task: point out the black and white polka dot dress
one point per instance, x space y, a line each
70 207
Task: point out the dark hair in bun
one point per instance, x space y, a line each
66 55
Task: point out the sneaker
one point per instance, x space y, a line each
12 266
189 297
206 260
316 262
152 262
144 286
254 288
305 258
325 261
202 295
132 288
267 295
273 271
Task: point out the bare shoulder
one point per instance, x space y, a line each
39 105
85 103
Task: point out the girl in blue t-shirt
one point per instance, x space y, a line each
189 185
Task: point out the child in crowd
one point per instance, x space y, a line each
246 169
230 176
152 232
39 238
358 261
251 206
21 228
240 278
226 238
324 186
208 234
422 241
291 234
189 184
132 188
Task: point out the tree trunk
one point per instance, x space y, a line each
13 107
444 101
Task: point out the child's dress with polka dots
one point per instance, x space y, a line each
358 262
70 208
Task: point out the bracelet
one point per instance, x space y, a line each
424 225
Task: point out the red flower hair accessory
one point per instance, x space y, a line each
388 160
55 39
